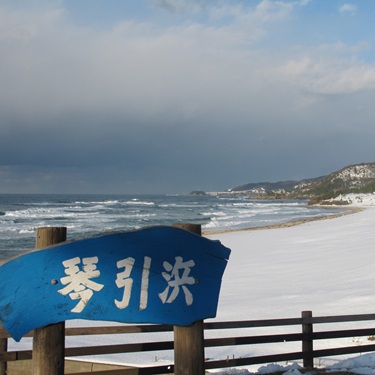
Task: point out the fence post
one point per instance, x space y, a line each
189 341
49 341
307 341
3 349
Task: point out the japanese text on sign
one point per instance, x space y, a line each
79 283
159 275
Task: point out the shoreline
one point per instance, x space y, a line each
350 210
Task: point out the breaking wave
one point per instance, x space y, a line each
87 215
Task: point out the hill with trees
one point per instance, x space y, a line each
358 178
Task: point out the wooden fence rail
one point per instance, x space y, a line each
307 337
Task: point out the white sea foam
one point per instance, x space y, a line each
214 213
27 231
175 205
45 213
243 204
139 203
97 214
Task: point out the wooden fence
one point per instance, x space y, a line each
307 338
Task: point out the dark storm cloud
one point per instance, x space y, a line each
141 108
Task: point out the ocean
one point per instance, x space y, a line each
87 215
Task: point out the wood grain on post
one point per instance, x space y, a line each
307 342
49 341
189 341
3 349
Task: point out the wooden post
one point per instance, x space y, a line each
189 341
3 349
307 341
49 341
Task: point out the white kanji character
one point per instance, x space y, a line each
78 283
124 281
176 281
144 284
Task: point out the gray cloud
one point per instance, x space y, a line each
140 108
181 6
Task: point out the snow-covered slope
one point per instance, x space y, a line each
355 173
357 200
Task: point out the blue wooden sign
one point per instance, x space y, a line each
154 275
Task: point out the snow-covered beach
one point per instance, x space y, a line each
325 266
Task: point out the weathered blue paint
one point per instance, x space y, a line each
36 289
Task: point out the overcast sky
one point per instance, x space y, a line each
169 96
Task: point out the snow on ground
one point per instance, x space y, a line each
361 200
323 266
362 365
326 266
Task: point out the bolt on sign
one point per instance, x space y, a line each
160 275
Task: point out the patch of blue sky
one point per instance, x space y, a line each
330 23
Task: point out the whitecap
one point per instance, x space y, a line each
214 213
27 231
140 203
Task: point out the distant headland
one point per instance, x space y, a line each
357 178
